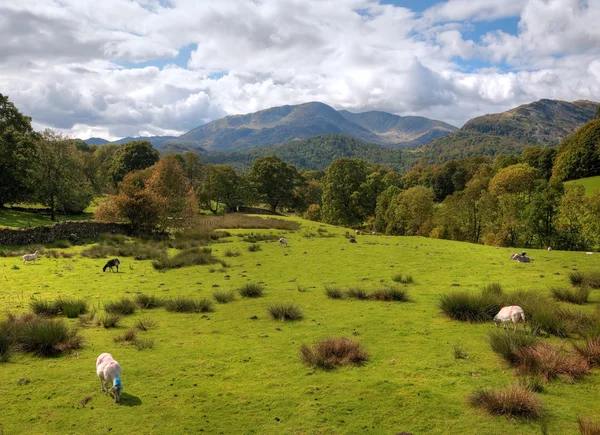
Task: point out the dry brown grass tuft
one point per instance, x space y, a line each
514 401
333 352
588 427
549 362
590 350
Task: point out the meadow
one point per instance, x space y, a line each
591 184
237 370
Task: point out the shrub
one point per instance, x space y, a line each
514 401
253 238
129 336
542 313
469 307
548 362
390 294
590 350
577 296
459 352
493 289
254 247
145 323
230 253
251 290
188 305
333 352
110 321
224 297
403 279
188 257
144 343
508 345
334 292
588 427
357 293
43 308
124 306
147 302
72 308
285 311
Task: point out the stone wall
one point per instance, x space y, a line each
69 230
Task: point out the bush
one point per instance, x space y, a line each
110 321
334 292
333 352
469 307
144 343
254 247
188 305
514 401
542 313
390 294
46 338
357 293
576 278
147 302
588 427
145 323
43 308
72 308
285 311
251 290
577 296
508 345
230 253
124 306
590 350
224 297
189 257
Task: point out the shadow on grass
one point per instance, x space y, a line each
129 400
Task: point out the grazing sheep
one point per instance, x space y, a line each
510 314
549 248
589 253
357 232
110 264
283 242
374 233
352 240
109 373
30 257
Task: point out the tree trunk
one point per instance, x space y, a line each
52 210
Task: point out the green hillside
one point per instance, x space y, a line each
591 184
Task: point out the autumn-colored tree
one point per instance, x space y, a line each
169 182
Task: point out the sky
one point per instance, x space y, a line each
116 68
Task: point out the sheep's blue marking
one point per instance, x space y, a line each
117 382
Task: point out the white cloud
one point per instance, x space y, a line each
59 59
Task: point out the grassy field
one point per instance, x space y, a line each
237 371
591 184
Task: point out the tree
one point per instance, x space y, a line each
104 156
513 179
383 205
410 212
579 154
60 181
193 169
341 191
170 183
275 181
132 157
17 153
222 186
571 218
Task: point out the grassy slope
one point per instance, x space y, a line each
591 184
226 373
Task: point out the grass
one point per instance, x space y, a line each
254 247
285 311
469 307
590 350
144 343
515 402
247 366
186 258
577 296
181 304
590 184
357 293
145 324
402 279
71 308
232 253
251 290
390 294
224 297
509 345
123 307
588 279
459 352
147 302
334 292
333 352
128 336
110 321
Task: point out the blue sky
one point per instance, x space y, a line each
141 67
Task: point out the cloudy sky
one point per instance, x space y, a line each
117 68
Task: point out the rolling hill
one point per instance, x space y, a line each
544 123
156 141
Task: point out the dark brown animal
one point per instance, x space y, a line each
110 264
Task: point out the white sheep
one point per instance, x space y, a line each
283 242
374 233
30 257
549 248
357 232
510 314
109 373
